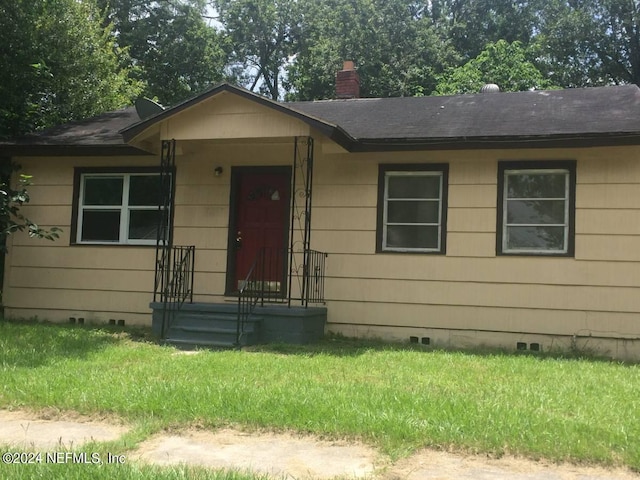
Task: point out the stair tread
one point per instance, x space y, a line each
208 315
200 343
207 320
201 329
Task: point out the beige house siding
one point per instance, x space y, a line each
55 281
471 292
469 295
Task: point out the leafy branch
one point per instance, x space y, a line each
11 201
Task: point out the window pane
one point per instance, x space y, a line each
144 189
100 226
413 212
535 211
536 185
143 224
102 191
535 238
413 186
412 236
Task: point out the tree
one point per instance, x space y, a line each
505 64
396 49
471 24
263 33
173 49
58 64
591 42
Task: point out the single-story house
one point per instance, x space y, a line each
497 219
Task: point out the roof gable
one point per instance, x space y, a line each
227 111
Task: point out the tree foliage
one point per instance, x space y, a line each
58 64
397 50
471 25
263 35
591 42
505 64
11 200
173 49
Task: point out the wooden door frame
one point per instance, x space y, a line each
237 173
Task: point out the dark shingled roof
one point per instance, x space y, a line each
579 113
573 117
99 134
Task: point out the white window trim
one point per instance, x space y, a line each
124 208
420 173
566 199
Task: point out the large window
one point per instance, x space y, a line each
536 208
412 208
119 208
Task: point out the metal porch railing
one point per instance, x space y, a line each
270 281
174 281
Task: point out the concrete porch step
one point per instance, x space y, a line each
194 345
212 321
215 324
212 327
250 328
218 337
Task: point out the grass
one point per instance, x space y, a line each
395 397
79 471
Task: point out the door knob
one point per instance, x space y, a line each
239 239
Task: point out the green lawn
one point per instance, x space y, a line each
124 472
396 398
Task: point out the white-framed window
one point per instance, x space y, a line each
412 208
537 209
118 208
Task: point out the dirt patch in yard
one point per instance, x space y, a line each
278 455
50 430
435 465
282 455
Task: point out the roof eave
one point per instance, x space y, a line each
68 150
486 143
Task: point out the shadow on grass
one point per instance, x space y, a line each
337 346
340 346
30 343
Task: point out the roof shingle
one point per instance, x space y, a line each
485 115
462 121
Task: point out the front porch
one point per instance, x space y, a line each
216 325
234 220
262 310
272 276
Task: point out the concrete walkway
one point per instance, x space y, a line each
284 455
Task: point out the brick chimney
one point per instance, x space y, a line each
348 81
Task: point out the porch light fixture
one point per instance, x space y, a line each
217 171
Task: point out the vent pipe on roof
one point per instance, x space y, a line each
490 88
348 81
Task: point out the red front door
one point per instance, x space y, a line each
261 226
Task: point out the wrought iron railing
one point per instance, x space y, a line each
266 282
174 281
247 299
181 286
313 291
